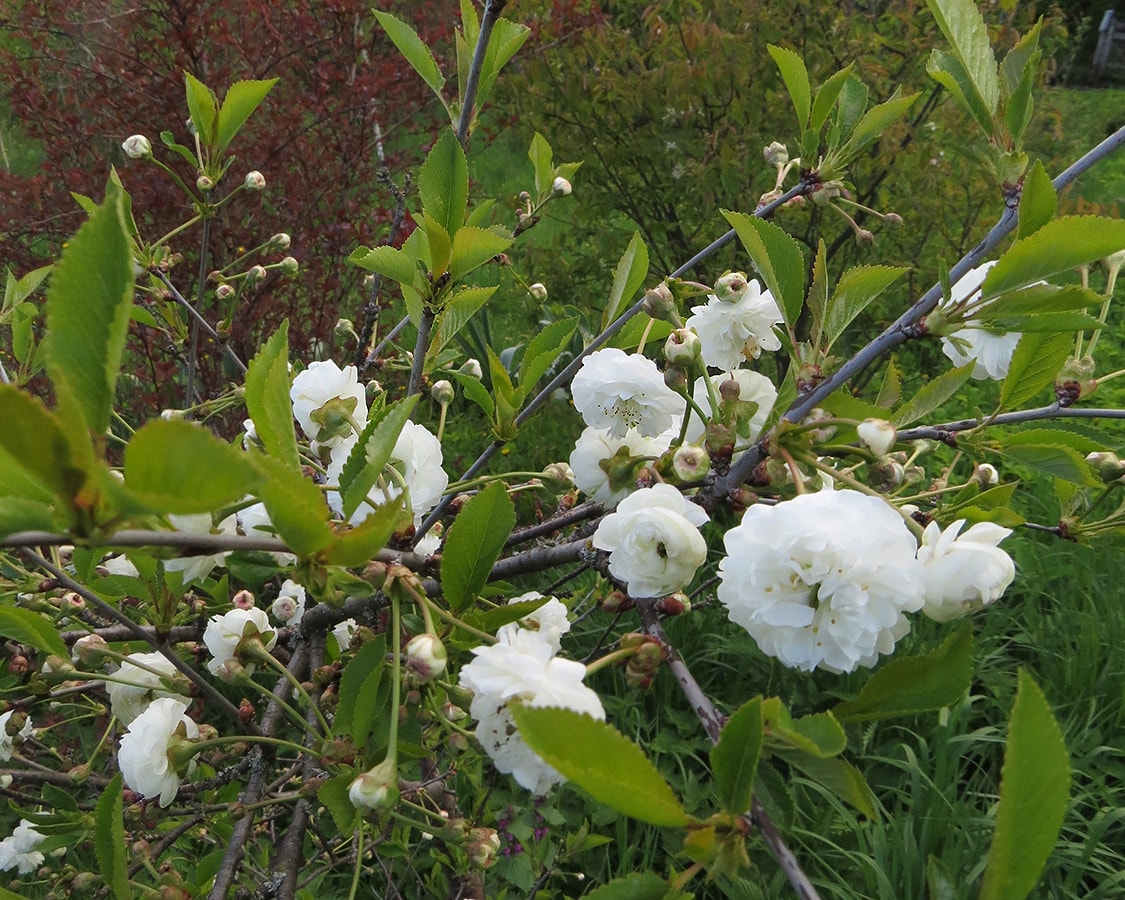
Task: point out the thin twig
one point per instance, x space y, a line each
363 359
1053 411
713 725
193 347
202 323
492 10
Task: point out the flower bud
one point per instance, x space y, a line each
819 415
426 656
886 475
538 291
255 181
892 219
280 242
482 847
864 238
560 474
682 347
877 434
986 475
471 367
224 291
171 415
1108 466
690 462
676 378
442 392
137 147
376 788
204 184
616 602
88 649
674 604
561 186
255 275
776 154
731 286
660 304
289 266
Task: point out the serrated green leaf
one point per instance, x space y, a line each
34 453
840 777
541 156
796 78
963 26
415 50
1059 436
850 106
1018 107
593 755
31 628
734 759
359 683
947 70
871 127
20 514
357 546
473 544
1038 201
204 108
1056 460
476 392
267 398
628 277
505 41
634 886
296 506
473 247
826 97
778 259
817 298
178 467
239 104
458 310
109 840
1036 299
1036 361
855 290
443 183
933 394
1048 322
915 684
818 734
543 350
372 452
890 391
334 795
437 243
88 303
1058 246
1034 786
387 261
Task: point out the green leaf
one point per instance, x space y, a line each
109 840
778 259
1019 58
1036 361
505 41
473 247
34 454
796 78
88 303
415 50
1035 300
840 777
296 506
1019 106
963 26
855 290
933 394
473 544
826 98
915 684
372 452
437 243
541 156
267 398
543 350
204 108
357 546
594 755
890 391
1034 785
634 886
1058 436
771 790
179 467
734 759
20 514
628 277
817 298
334 795
947 70
387 261
1056 460
1058 246
459 309
818 734
871 127
443 182
27 627
359 685
239 104
1049 322
476 392
1038 201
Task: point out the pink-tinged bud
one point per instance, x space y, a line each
376 788
482 847
682 347
690 462
616 602
442 392
886 475
88 649
426 656
224 291
878 434
70 602
255 181
538 291
674 604
204 184
676 379
986 475
137 147
561 186
776 154
256 275
661 305
243 600
893 219
280 242
731 286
